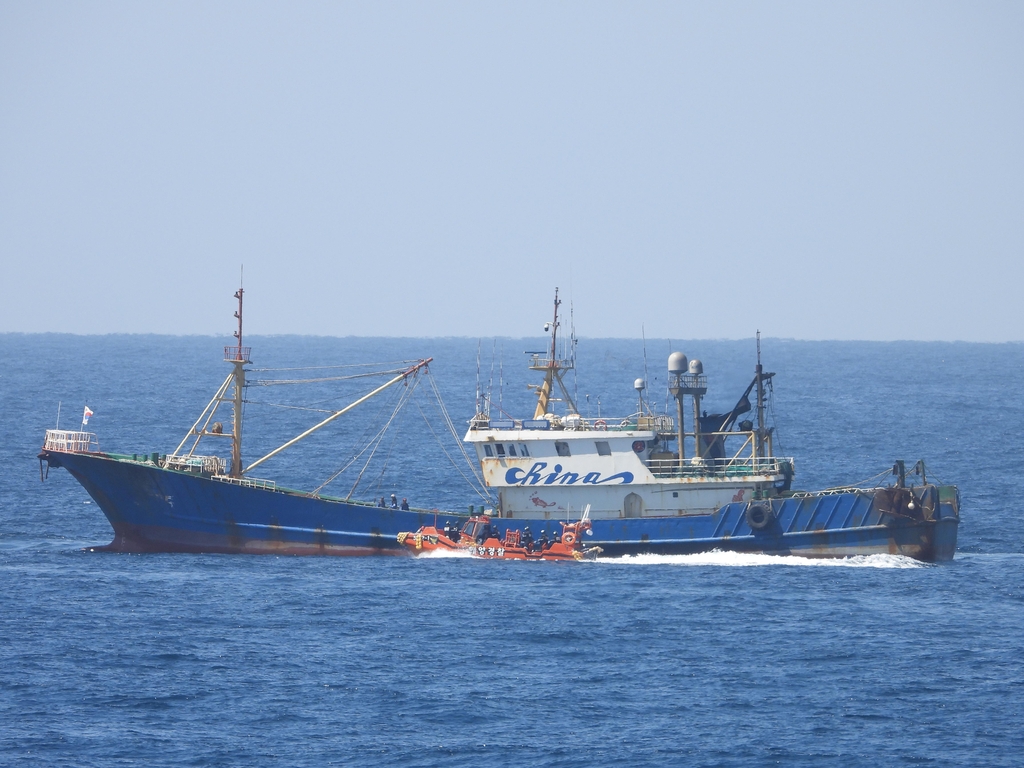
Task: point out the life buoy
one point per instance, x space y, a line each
759 516
569 538
601 425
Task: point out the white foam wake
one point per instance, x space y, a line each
738 559
444 553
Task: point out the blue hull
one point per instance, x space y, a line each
158 510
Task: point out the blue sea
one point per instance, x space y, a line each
707 660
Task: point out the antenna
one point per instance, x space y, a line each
479 405
490 381
554 330
572 343
643 335
501 376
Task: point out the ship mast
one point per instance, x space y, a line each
553 370
238 356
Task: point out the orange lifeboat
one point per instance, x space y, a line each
480 536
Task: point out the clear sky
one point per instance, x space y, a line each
817 170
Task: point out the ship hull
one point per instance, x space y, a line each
158 510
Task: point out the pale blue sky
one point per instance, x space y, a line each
815 170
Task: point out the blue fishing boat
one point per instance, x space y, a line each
653 482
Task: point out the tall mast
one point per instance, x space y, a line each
544 393
554 329
238 356
553 368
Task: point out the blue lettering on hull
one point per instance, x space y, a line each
533 476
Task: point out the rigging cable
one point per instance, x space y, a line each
394 439
401 403
361 441
480 486
273 382
402 363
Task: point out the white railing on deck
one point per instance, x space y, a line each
573 422
67 441
246 482
742 467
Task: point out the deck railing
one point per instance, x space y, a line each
68 441
543 362
735 467
576 423
237 354
246 482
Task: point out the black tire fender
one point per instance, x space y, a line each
759 516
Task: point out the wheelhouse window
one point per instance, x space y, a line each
561 448
603 449
522 450
487 450
500 449
512 450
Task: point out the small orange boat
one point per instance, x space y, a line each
481 537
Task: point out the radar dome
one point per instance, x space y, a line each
639 385
696 367
677 363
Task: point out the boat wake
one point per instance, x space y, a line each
441 554
739 559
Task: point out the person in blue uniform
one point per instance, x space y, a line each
528 539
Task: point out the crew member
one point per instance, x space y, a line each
394 501
405 504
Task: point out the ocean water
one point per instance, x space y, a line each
708 660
